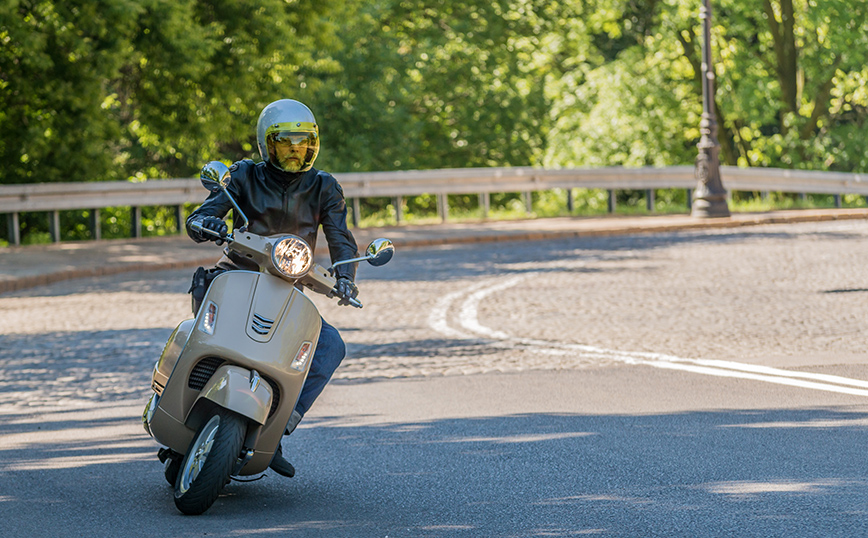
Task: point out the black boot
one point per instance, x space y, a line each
280 465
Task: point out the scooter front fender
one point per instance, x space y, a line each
237 389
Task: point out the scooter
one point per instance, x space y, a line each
228 380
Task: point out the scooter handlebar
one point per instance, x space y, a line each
199 228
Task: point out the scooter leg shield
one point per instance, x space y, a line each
239 390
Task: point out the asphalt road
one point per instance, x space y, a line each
690 384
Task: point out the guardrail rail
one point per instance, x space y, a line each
56 197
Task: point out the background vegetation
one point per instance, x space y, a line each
96 90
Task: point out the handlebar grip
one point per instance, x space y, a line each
355 303
199 228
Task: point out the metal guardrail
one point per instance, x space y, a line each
55 197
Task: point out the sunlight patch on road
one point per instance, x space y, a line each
527 438
748 490
819 424
73 462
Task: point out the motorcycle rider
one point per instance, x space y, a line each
284 194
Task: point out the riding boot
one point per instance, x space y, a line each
280 465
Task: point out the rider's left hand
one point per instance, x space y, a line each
346 289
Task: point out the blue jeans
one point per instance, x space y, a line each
330 351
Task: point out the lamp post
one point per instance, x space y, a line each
709 198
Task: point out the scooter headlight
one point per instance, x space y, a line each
292 256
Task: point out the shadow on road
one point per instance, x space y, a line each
439 263
731 473
81 365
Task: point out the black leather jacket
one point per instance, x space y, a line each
278 202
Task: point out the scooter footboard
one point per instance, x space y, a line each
238 389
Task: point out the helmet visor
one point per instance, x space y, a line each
292 151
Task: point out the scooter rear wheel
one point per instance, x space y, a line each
208 462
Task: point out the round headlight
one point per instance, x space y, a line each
292 256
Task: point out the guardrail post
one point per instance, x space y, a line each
179 218
528 202
570 205
135 222
485 204
838 201
95 230
357 213
14 227
54 226
399 208
649 200
689 199
612 200
443 206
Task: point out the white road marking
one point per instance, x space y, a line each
468 319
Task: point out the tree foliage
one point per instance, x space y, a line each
790 85
118 89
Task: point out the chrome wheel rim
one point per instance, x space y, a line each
195 460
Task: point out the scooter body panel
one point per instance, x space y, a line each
169 358
232 388
260 322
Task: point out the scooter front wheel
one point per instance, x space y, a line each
208 463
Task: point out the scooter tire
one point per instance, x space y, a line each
208 462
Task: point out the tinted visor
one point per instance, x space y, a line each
307 139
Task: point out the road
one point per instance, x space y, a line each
708 383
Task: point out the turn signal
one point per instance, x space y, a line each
209 318
301 357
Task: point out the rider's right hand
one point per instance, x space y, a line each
215 224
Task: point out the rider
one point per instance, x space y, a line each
285 194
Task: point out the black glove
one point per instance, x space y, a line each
215 224
345 289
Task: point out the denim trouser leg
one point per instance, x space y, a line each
330 351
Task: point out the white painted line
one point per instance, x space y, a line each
468 319
437 316
757 377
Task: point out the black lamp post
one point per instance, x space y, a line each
709 198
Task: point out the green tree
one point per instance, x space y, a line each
440 83
790 89
114 89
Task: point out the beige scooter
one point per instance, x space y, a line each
227 381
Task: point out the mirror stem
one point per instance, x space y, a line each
344 262
238 209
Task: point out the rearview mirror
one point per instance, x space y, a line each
379 252
215 176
